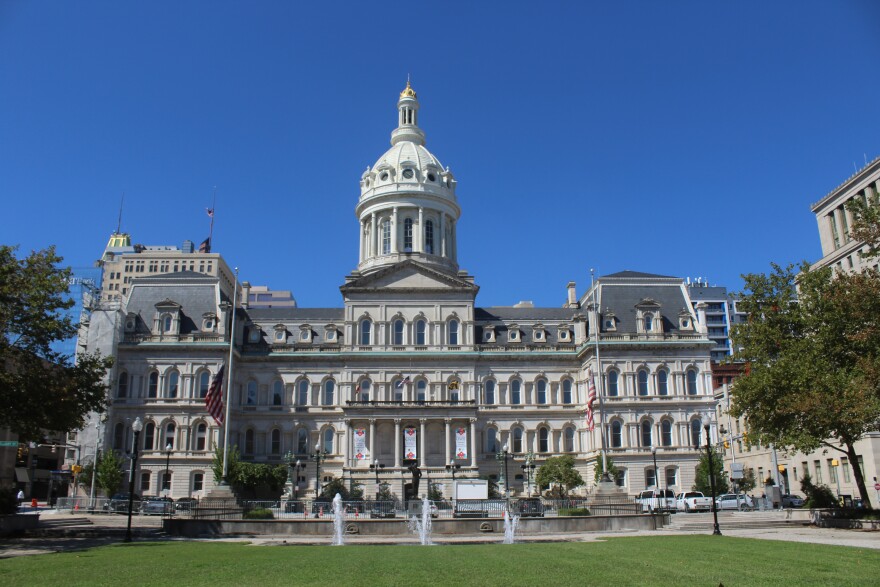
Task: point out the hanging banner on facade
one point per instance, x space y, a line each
409 443
360 444
460 443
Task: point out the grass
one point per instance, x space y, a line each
662 560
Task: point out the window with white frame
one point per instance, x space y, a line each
429 237
386 237
277 392
275 443
647 436
249 441
201 436
543 440
612 383
696 428
251 398
566 391
666 433
153 384
568 439
366 332
650 477
302 393
643 381
616 434
671 476
198 483
421 390
172 381
302 441
329 434
541 391
453 332
145 482
662 382
491 440
329 392
398 332
149 436
420 333
365 390
692 381
122 385
515 392
204 383
489 392
408 235
169 435
517 434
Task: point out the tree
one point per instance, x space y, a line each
817 496
748 481
41 389
109 474
559 470
434 493
701 482
612 470
812 348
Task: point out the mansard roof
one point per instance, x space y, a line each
296 314
625 299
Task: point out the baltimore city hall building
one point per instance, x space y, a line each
408 369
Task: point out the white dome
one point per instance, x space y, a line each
406 152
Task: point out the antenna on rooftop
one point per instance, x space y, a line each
119 222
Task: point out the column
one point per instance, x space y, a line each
422 426
397 462
838 221
394 230
473 442
346 454
447 453
372 252
373 443
419 235
442 235
361 241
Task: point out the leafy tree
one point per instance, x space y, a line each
866 224
612 470
434 493
493 491
84 479
337 485
559 470
701 483
109 474
817 496
748 482
41 389
233 458
385 493
812 348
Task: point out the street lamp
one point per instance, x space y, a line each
137 427
716 530
318 457
528 468
503 456
376 466
453 467
166 482
656 478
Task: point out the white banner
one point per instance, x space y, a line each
461 443
360 444
409 443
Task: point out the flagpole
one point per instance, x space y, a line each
605 475
211 230
229 378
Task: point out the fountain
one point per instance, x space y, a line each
510 525
422 527
338 521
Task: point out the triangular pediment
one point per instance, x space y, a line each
409 276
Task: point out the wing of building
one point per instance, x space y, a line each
408 369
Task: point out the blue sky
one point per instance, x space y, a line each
683 138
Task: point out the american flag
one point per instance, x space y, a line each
214 399
205 247
403 381
591 398
210 212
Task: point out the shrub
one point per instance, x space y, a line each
817 496
574 512
259 514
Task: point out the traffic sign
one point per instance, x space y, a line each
877 486
8 443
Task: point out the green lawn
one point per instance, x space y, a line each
662 560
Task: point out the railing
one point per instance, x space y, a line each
136 338
464 403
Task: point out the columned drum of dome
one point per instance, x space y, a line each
408 208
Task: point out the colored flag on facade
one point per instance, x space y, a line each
409 443
214 398
461 443
360 444
591 398
403 382
205 247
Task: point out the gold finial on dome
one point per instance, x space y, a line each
408 92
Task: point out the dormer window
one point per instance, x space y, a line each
563 334
648 317
685 320
280 334
130 322
649 322
167 323
209 322
609 321
330 333
489 333
408 173
254 334
305 333
538 334
513 333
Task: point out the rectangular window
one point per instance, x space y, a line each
844 465
198 481
145 482
817 466
832 471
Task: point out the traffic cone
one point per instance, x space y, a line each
34 502
76 507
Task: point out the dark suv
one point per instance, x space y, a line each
118 504
530 507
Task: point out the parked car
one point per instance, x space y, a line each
155 505
730 501
118 504
185 504
790 500
529 507
692 501
657 500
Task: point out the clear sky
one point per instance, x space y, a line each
684 138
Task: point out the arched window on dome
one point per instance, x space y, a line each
429 237
386 237
407 235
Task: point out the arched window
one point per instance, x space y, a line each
204 384
398 332
408 235
302 441
647 439
429 237
643 382
119 437
566 391
491 440
166 323
153 385
541 391
329 391
201 436
616 434
366 332
692 382
454 387
649 322
662 382
251 399
122 385
172 382
277 393
169 436
453 332
515 391
517 440
249 441
612 384
329 434
420 332
666 433
489 395
276 442
302 393
543 440
365 390
398 386
386 237
568 439
650 477
696 428
149 436
421 390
